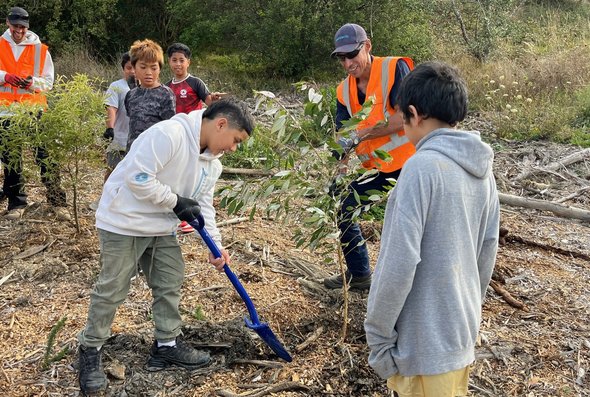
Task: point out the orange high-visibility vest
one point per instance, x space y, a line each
381 81
30 63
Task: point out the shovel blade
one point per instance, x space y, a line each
266 334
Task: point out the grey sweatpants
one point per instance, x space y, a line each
161 261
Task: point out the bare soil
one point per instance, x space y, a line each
47 270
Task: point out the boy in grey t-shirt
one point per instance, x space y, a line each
151 101
117 121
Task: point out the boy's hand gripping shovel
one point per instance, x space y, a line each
262 329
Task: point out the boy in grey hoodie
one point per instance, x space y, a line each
438 245
169 174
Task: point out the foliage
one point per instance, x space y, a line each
61 23
49 357
198 314
67 130
303 168
293 38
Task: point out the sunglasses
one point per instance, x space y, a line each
349 55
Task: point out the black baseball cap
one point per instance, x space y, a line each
348 38
18 16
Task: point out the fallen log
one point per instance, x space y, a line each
558 209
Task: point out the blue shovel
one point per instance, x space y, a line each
262 329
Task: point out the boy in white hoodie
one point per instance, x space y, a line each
168 174
438 245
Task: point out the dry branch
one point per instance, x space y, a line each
558 209
572 158
5 278
557 250
232 221
247 171
263 363
312 338
265 390
507 296
33 250
575 194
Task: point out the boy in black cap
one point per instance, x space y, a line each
26 72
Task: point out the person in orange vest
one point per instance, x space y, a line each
26 72
377 79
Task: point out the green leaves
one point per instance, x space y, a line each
298 150
69 129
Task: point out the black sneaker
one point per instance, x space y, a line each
92 377
354 283
181 355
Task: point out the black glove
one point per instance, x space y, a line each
189 210
26 83
131 82
109 134
336 187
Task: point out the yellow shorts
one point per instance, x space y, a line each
450 384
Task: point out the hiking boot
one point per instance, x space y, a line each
92 377
181 355
62 214
362 283
14 214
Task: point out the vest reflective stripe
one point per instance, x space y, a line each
30 63
346 96
11 89
395 141
37 67
381 81
385 86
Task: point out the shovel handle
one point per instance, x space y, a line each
231 275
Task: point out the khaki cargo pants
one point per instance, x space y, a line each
160 259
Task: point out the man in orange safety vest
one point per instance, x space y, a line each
377 79
26 72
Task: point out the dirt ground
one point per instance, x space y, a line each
47 271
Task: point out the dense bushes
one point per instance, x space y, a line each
241 45
274 38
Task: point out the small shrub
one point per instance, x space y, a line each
49 357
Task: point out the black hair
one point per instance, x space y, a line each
179 47
436 90
125 57
236 112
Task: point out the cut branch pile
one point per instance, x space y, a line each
571 174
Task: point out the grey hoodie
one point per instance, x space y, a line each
438 249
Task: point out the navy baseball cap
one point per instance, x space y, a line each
18 16
348 38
